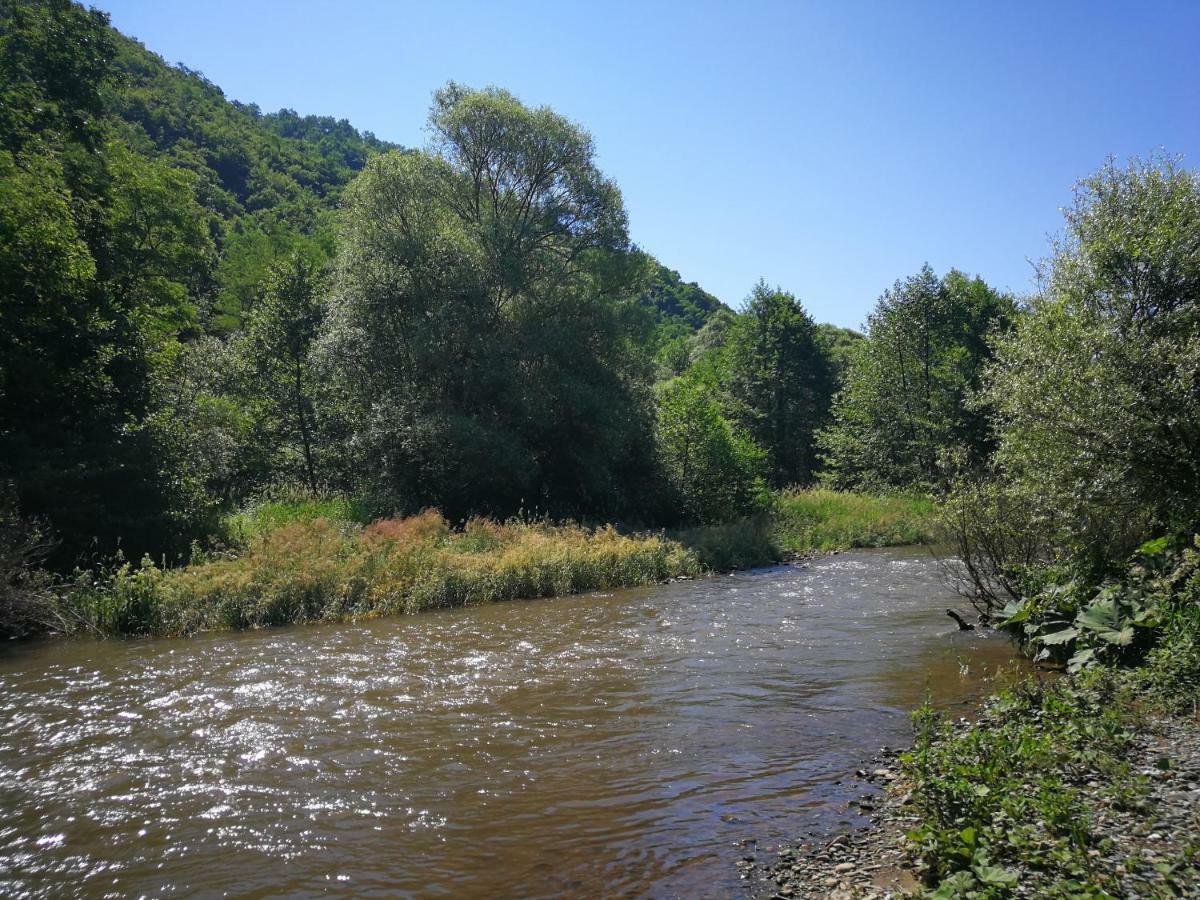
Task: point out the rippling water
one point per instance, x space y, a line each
619 743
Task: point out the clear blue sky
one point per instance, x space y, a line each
830 148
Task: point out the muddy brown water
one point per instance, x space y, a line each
623 744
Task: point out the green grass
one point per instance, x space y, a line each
821 520
258 518
321 570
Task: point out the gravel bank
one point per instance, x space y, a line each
1153 846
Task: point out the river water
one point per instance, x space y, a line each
629 743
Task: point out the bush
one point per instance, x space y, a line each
736 545
998 801
1116 621
997 540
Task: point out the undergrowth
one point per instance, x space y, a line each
820 520
1009 800
309 558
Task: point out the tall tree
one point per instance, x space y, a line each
101 252
780 382
902 418
478 323
714 470
1097 392
279 339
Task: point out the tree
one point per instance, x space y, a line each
780 383
902 418
839 347
714 470
477 337
102 252
279 339
1097 391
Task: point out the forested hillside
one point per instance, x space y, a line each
151 233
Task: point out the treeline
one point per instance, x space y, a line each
202 303
139 212
1078 534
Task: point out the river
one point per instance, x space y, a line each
630 743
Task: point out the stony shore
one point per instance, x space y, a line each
1152 852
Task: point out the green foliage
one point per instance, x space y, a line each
1097 416
248 255
840 344
733 545
1008 789
780 383
672 300
478 348
713 469
273 170
278 340
997 803
258 518
54 65
103 252
1095 391
1116 622
902 419
674 311
821 519
117 599
1000 544
138 209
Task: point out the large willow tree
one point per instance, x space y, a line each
477 332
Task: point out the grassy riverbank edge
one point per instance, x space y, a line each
1079 785
326 560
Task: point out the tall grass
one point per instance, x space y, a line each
308 559
326 570
820 520
263 516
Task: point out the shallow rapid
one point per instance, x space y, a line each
611 744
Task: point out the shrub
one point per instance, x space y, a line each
998 801
736 545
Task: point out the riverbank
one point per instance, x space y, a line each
1082 785
1078 800
324 561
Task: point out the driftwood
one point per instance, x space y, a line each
963 624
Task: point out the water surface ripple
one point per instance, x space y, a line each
611 744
